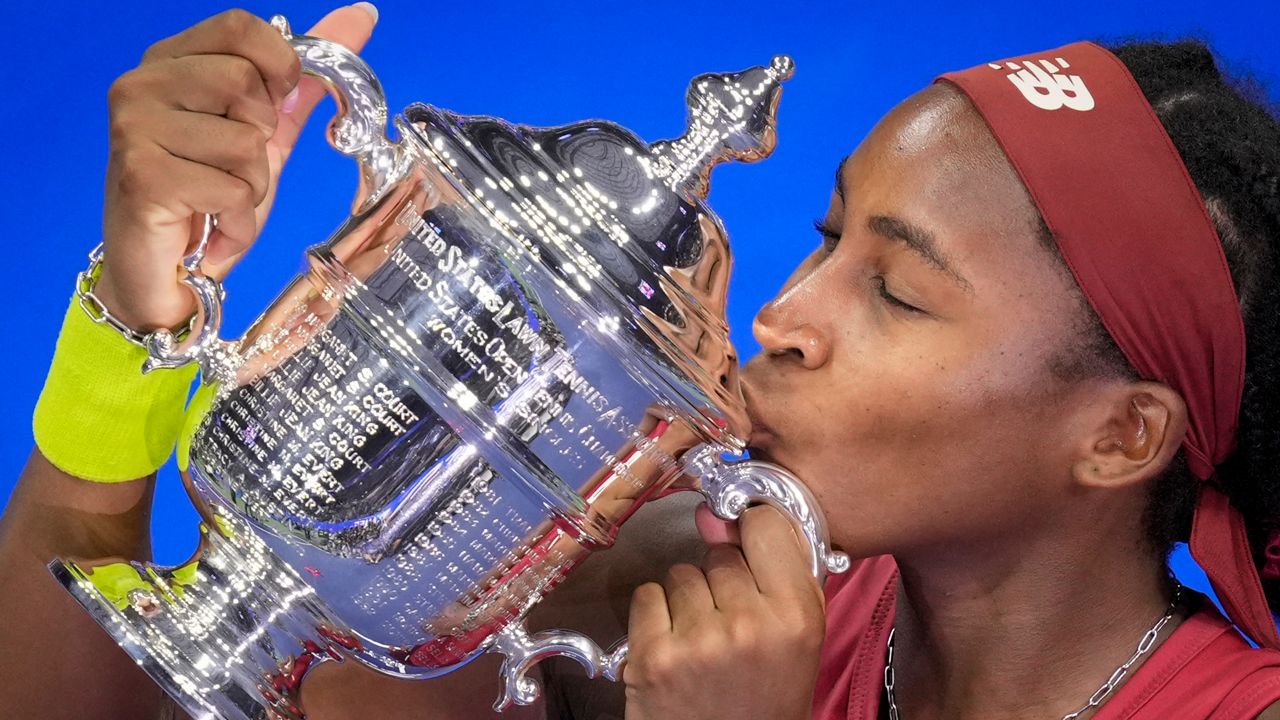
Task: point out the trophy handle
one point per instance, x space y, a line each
730 488
357 130
522 650
201 344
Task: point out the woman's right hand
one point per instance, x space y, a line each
739 638
203 125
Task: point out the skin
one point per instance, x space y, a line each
907 381
1003 492
937 434
905 376
205 124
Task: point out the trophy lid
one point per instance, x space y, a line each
624 224
732 116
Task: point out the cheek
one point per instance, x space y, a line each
920 436
911 383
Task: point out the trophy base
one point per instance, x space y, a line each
229 635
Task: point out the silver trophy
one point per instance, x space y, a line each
516 339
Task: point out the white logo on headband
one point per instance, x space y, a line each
1044 85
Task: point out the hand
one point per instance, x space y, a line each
739 637
203 125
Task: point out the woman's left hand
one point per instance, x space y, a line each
739 637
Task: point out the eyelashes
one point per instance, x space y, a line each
831 238
888 297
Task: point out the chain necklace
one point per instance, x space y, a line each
1144 646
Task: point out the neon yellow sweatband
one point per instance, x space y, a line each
99 418
117 580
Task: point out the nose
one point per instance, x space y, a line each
783 334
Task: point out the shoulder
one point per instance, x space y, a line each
1248 678
1206 669
1271 713
1256 697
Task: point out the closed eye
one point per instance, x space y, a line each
883 289
831 238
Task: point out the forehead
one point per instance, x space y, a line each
933 161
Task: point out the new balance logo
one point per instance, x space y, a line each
1044 85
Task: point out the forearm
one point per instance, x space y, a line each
52 511
56 662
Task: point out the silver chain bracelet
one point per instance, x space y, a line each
87 282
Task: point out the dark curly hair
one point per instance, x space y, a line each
1228 135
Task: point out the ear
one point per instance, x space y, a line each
1141 429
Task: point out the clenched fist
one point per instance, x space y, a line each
739 637
203 125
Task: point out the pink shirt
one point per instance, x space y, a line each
1204 670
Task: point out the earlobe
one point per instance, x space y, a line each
1139 438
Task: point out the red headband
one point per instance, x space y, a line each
1135 233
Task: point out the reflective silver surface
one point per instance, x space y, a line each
511 344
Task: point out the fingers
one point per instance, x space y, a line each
237 32
728 577
179 106
156 183
348 26
650 617
219 143
222 85
778 560
195 129
688 596
709 644
236 231
151 198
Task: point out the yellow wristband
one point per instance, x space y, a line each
99 418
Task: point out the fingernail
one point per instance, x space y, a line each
290 101
369 8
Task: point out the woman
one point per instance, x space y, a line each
964 373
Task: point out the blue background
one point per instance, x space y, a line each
537 63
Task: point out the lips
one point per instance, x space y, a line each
761 432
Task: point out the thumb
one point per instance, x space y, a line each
714 530
348 26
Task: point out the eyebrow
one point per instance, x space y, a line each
919 240
913 236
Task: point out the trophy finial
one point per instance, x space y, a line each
732 116
783 66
